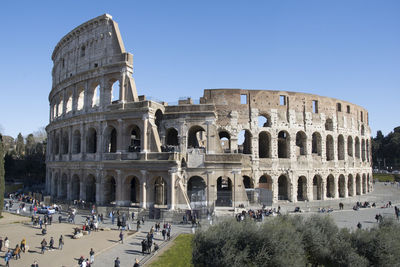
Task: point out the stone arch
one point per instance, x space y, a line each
115 91
264 120
364 184
245 146
317 143
350 146
90 187
132 189
91 141
109 190
196 191
75 187
342 186
65 143
160 191
224 192
110 139
363 157
264 145
330 154
329 125
63 186
197 137
225 141
134 138
350 185
340 147
57 144
358 184
302 188
265 182
76 142
158 117
68 106
94 95
330 186
357 147
301 143
80 98
283 144
283 187
317 187
172 137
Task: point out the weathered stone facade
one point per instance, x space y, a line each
108 145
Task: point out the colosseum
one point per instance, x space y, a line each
110 146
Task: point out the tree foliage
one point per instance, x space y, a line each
387 148
296 241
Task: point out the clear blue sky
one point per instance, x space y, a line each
344 49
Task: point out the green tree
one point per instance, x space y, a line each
2 182
30 145
20 146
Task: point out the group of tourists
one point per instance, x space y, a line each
12 253
88 261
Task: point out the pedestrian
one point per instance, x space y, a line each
7 258
169 234
137 225
359 226
17 252
6 243
61 242
43 245
144 246
143 219
51 244
117 262
164 232
133 216
1 243
23 244
59 219
121 237
136 263
91 253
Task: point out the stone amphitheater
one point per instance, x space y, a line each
110 146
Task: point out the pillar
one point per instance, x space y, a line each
143 202
172 189
144 140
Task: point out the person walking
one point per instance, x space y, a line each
51 244
23 244
137 225
164 232
121 237
136 263
61 242
117 262
91 253
43 245
6 243
7 258
17 252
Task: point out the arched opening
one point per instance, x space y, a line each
265 182
247 182
225 141
350 185
96 96
329 148
264 120
283 144
91 141
81 99
358 184
64 182
60 107
75 187
330 186
224 192
350 146
65 143
342 186
302 188
357 152
76 142
329 125
283 188
264 145
115 97
244 141
68 107
362 130
301 143
340 147
172 137
158 120
134 139
363 150
364 184
134 189
160 191
109 190
196 191
57 144
317 144
110 140
91 189
197 137
317 187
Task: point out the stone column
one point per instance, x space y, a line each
143 202
172 174
323 197
346 189
235 173
274 189
82 193
144 140
336 186
208 188
119 198
310 187
99 188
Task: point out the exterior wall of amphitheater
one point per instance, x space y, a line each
108 145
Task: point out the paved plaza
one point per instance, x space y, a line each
107 247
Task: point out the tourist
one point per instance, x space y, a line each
43 245
6 243
23 244
91 253
164 232
51 244
137 225
61 242
7 258
121 237
359 226
144 246
136 263
17 252
117 262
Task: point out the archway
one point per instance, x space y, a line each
350 185
110 187
317 187
224 192
91 188
196 191
197 137
330 154
302 188
265 182
358 184
76 142
133 188
301 143
91 142
330 186
283 188
225 141
264 120
264 145
172 137
160 191
350 146
283 144
249 188
134 138
342 186
111 140
115 97
158 119
65 143
317 144
75 187
340 147
244 141
357 149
